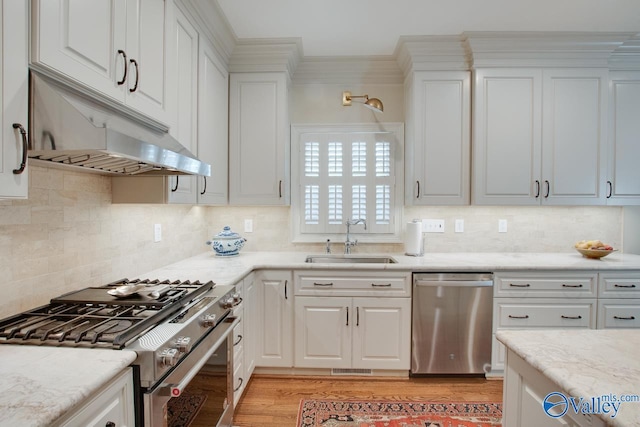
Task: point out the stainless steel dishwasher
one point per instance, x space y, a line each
452 315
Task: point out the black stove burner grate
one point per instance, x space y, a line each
91 317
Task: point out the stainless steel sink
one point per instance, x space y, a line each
351 259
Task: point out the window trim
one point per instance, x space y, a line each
297 208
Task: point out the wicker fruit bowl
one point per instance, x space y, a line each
593 248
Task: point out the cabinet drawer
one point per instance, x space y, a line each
356 283
544 313
618 313
619 285
545 285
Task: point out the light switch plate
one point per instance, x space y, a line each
459 226
502 226
248 226
157 232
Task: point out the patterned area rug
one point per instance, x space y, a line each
182 410
356 413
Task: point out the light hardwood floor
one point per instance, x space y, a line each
273 401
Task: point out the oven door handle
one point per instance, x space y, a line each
175 390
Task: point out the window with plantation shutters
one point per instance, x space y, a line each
342 174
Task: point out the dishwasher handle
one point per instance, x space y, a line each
453 283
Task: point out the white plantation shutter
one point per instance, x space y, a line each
347 175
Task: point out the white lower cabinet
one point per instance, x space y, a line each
619 300
274 323
113 405
524 391
336 328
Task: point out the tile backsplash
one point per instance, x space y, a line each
69 235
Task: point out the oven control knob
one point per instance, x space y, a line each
227 302
169 357
236 297
209 320
183 344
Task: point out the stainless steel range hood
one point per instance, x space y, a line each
67 128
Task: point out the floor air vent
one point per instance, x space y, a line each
340 371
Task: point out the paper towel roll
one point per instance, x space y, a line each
413 239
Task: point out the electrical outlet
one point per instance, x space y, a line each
459 226
157 232
502 226
248 226
433 225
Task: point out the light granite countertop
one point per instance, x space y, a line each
585 363
41 384
229 270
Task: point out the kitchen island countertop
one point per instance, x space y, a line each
585 363
41 384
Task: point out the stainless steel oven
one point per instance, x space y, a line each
178 329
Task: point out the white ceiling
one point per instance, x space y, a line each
372 27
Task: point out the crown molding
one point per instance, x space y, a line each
424 53
627 56
348 70
210 19
263 55
543 49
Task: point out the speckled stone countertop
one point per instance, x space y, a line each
585 363
228 270
41 384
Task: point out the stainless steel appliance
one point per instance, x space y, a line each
176 328
452 314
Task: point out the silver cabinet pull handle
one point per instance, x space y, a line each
23 163
526 316
579 285
375 285
517 285
322 284
571 317
126 67
624 318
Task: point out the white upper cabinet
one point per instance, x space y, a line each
13 97
623 185
116 48
183 97
213 134
258 139
540 136
438 144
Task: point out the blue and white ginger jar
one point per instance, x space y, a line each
227 242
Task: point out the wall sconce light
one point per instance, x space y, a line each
372 103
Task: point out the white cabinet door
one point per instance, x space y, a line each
624 144
275 318
381 333
184 98
251 324
147 37
13 97
323 332
258 139
507 136
438 154
213 108
85 41
574 136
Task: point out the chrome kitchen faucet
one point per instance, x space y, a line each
348 243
